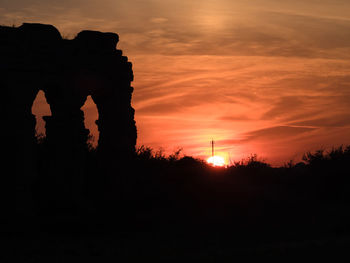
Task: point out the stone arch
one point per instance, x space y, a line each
90 116
35 57
40 109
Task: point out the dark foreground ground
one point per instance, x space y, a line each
181 210
68 242
168 247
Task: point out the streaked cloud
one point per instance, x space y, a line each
268 76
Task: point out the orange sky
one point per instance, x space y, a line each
261 77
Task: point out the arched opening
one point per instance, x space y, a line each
40 108
91 115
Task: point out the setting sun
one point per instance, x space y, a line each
216 161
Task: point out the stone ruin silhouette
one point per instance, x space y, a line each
35 57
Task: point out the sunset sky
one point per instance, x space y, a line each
269 77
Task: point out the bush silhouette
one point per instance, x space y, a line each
252 162
182 194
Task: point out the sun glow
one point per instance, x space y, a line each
216 161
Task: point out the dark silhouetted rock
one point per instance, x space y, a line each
35 57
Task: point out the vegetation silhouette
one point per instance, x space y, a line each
64 198
249 208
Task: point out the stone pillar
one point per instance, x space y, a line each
18 145
116 116
24 56
66 140
112 95
65 129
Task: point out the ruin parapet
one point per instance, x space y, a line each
35 57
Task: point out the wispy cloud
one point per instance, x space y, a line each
265 76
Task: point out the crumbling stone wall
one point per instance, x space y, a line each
35 57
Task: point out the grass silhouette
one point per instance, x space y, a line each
249 207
